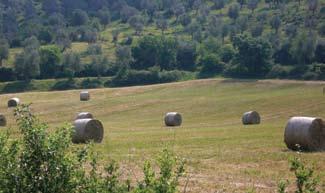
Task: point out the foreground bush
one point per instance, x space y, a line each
306 182
43 162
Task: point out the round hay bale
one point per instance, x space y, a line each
13 102
87 130
173 119
305 133
251 117
3 120
84 96
84 115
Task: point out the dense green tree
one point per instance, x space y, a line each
242 23
127 12
99 64
186 56
303 47
210 65
257 30
51 6
193 28
71 62
252 5
283 55
79 17
123 56
312 6
104 16
275 23
241 3
27 63
150 7
50 63
321 29
178 10
137 23
155 51
4 50
227 53
162 24
233 11
62 39
253 55
320 51
219 4
185 20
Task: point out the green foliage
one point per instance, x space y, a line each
233 11
50 61
41 162
63 22
44 162
303 48
155 50
79 17
253 56
71 63
94 49
278 71
305 180
65 84
210 65
91 83
4 50
129 77
168 178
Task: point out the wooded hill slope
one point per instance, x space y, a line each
134 39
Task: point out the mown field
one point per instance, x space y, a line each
222 154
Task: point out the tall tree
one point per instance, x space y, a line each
4 50
233 11
253 55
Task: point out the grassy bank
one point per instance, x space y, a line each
222 154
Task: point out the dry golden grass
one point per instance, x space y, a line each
222 154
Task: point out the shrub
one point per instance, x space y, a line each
127 77
210 65
43 162
310 76
170 76
278 71
227 53
305 180
91 83
7 74
65 85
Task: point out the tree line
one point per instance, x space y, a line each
243 38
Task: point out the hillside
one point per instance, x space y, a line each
81 38
222 154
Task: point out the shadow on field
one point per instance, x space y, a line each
239 81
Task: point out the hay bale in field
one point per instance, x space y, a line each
13 102
305 133
84 115
84 96
87 130
173 119
251 117
3 120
